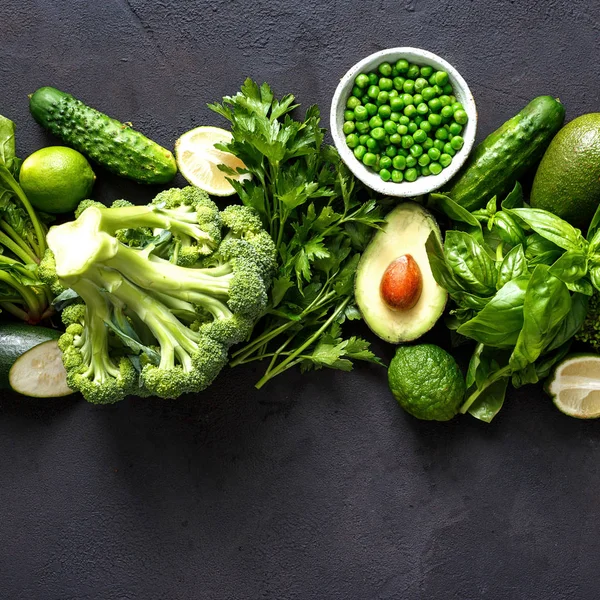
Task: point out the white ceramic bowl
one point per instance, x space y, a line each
422 185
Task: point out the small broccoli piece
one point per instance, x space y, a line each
47 273
590 330
179 320
86 204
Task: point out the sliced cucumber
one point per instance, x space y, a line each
39 372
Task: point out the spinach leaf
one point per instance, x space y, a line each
501 320
514 265
8 156
547 302
470 263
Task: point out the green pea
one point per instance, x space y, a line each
420 84
349 114
426 71
445 100
447 89
362 81
385 175
402 65
397 176
411 161
409 86
434 119
407 141
348 127
431 80
394 72
435 168
460 116
375 122
410 110
371 108
364 99
403 152
422 108
386 140
398 83
427 144
425 171
391 151
435 105
362 127
373 91
439 145
428 93
424 160
378 133
376 166
407 99
416 150
425 126
452 98
399 162
417 99
457 142
362 139
373 78
352 102
372 144
396 139
441 78
385 69
393 94
397 104
455 128
447 112
445 160
411 174
448 149
419 136
438 90
413 71
457 106
352 140
433 153
360 113
402 129
395 116
360 151
386 84
390 127
384 111
356 91
369 159
412 127
385 162
404 120
382 98
440 134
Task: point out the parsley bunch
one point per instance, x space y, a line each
320 219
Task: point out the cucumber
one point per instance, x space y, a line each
31 362
110 143
505 155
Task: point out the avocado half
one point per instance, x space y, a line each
407 228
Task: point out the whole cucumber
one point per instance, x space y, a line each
505 155
110 143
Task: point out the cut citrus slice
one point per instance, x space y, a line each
199 160
575 386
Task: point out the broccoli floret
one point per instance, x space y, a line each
590 330
86 204
47 273
147 325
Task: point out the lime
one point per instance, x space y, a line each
199 160
427 382
56 179
575 386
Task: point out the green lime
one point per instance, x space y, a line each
427 382
56 179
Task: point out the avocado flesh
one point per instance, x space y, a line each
567 181
407 229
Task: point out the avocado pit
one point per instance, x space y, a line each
401 283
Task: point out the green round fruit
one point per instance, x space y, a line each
56 179
426 382
567 181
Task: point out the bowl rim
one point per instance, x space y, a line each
423 185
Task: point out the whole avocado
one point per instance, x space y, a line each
567 181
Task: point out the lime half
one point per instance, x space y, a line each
198 160
575 386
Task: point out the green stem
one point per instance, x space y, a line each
14 310
17 239
16 249
34 305
244 352
287 363
503 372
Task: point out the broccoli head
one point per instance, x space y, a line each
590 330
151 321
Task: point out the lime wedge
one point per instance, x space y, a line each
198 160
575 386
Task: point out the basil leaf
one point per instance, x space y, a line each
547 302
514 198
474 365
570 267
437 261
594 225
490 401
595 277
507 229
501 320
457 213
544 365
582 286
551 227
514 265
470 263
572 323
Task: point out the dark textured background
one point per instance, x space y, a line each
318 487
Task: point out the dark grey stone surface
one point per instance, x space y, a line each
318 487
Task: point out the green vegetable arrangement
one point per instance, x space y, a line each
153 309
22 240
320 220
520 279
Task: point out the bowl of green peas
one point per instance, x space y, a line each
403 121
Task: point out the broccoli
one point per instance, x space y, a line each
590 330
158 316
